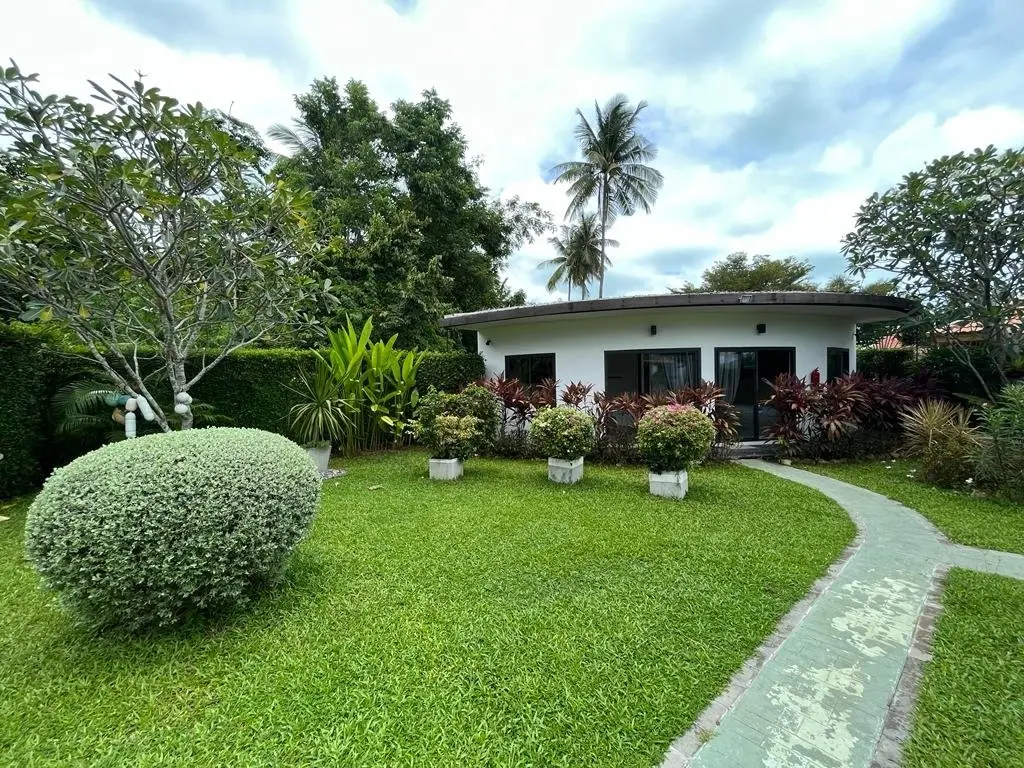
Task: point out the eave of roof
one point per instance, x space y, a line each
676 300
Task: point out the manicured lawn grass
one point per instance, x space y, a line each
499 621
971 707
967 519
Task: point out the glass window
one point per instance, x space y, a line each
531 370
838 362
645 372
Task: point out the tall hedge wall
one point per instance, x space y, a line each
884 362
449 371
251 387
28 366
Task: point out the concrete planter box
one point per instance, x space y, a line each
320 455
671 485
445 469
565 471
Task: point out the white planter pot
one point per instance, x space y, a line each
565 471
319 456
445 469
671 485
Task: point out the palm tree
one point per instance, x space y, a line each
580 250
613 166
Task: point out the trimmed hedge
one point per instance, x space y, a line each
147 532
877 363
28 364
251 387
449 371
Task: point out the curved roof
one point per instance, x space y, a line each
872 307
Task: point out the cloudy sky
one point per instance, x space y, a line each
774 118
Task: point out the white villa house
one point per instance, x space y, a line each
644 344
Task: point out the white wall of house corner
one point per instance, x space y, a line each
579 342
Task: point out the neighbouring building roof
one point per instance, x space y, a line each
865 306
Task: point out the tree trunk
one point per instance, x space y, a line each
178 386
602 201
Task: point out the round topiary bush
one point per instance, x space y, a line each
563 433
147 532
673 438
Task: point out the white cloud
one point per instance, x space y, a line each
515 72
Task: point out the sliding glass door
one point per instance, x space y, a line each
745 375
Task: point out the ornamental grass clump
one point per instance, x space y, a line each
563 433
673 438
148 532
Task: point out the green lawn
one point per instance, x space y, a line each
971 708
967 519
499 621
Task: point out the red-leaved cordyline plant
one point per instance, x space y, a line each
517 405
630 404
545 394
791 398
834 408
575 394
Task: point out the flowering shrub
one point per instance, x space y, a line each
447 436
672 438
563 433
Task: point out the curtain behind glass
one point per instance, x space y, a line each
729 374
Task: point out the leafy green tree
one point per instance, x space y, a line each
738 272
614 171
408 231
147 228
952 234
844 284
580 250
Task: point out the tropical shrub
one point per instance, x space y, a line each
941 435
473 401
148 532
449 371
476 401
563 433
849 417
1000 457
448 436
321 415
673 438
876 363
376 386
575 394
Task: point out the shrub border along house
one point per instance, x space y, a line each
565 435
672 439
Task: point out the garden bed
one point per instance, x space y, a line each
498 620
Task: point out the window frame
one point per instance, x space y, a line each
694 351
828 362
531 384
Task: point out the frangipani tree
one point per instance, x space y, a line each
148 228
952 236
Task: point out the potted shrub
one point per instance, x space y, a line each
451 440
565 436
671 439
320 416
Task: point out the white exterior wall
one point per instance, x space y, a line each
579 342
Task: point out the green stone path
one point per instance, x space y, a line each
818 692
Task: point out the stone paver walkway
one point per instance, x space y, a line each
821 697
